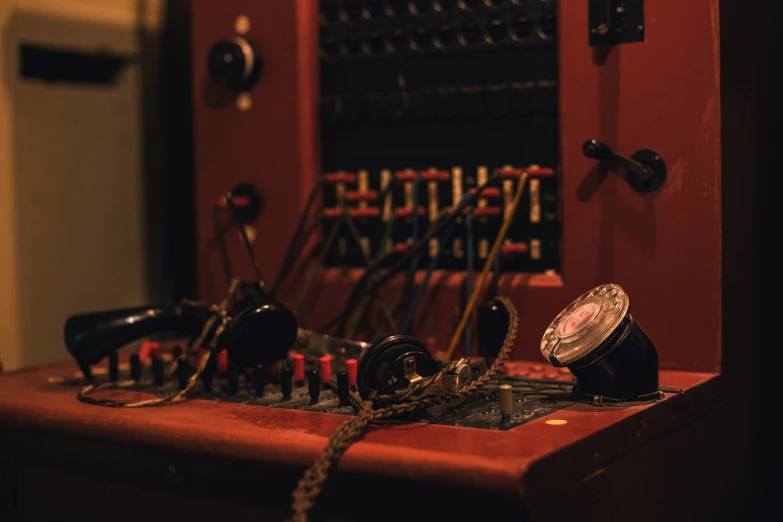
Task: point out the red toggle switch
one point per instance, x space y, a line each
356 195
326 369
487 212
406 175
299 367
222 361
510 172
539 171
514 249
351 366
408 212
489 192
436 175
148 349
359 213
340 177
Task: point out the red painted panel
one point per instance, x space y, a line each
663 94
273 144
663 248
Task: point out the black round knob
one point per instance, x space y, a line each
234 63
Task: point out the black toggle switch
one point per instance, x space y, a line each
342 388
114 366
286 382
645 169
157 370
314 385
232 379
492 326
183 372
135 367
260 378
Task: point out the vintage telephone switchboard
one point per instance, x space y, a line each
467 246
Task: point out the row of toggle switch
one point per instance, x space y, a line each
288 377
532 241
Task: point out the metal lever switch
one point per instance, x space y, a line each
646 170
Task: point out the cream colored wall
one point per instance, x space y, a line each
72 186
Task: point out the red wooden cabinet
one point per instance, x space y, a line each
663 461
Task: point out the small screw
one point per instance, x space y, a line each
639 28
244 102
173 469
242 24
603 29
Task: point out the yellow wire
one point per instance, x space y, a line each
487 266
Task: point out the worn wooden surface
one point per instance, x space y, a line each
452 457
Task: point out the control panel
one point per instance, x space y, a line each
463 89
322 383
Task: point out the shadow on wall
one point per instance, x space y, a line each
88 177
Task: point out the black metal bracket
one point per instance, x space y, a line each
645 169
615 22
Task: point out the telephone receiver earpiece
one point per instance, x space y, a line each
392 364
260 331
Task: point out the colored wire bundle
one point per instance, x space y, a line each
299 239
362 286
326 247
408 324
378 292
365 304
490 261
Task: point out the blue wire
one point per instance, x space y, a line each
408 323
469 285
